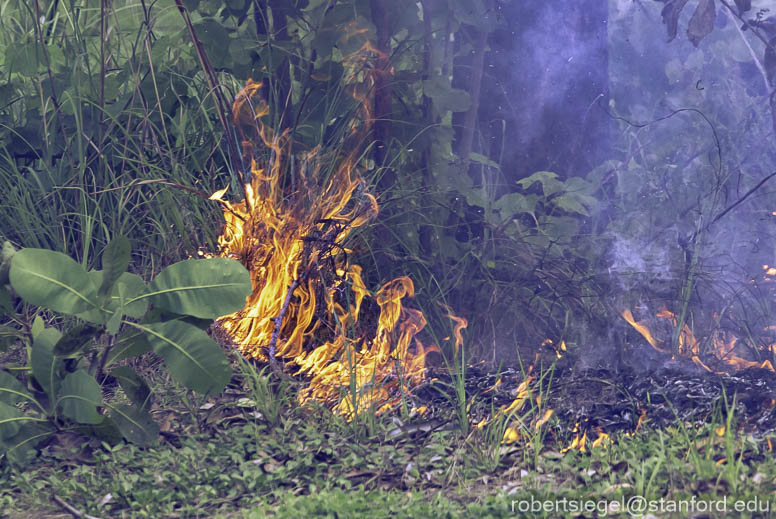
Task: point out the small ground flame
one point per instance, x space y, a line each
722 344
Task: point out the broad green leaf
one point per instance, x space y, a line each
130 343
482 159
575 203
11 419
114 323
206 288
579 185
192 357
128 287
135 425
96 315
20 449
106 430
473 12
115 260
11 390
548 180
513 204
445 97
213 36
79 397
241 46
38 325
46 366
52 280
134 386
75 338
24 58
560 227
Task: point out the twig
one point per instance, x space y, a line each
70 508
740 200
756 60
278 323
752 26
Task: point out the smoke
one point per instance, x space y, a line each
631 255
556 53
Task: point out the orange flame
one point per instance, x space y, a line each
722 345
289 232
578 443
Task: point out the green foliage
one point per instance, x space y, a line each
60 385
102 106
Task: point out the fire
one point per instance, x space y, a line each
723 345
578 443
289 230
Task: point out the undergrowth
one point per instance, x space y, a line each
253 452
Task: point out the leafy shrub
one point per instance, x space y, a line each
116 316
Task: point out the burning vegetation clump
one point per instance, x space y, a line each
290 232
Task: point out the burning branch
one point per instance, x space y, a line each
278 323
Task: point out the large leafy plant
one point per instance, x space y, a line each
116 315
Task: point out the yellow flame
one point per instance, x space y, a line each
510 435
642 329
289 232
603 439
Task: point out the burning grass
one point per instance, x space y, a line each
721 346
307 309
291 231
230 460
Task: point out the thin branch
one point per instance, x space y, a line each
278 323
70 508
756 60
222 107
741 200
748 24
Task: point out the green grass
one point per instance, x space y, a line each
244 457
132 125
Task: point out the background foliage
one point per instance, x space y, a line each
114 122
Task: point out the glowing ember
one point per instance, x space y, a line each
289 232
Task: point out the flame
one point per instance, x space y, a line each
603 439
522 394
511 435
289 230
642 419
543 420
578 443
643 330
459 324
723 345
